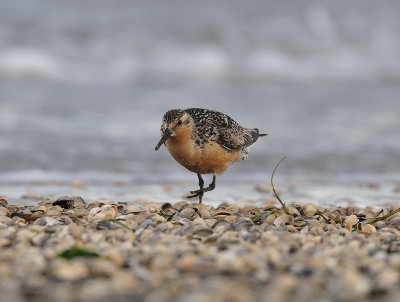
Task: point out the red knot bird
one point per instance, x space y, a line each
205 142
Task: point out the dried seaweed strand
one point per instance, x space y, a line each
284 207
376 218
121 224
377 215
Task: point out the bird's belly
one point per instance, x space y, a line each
212 159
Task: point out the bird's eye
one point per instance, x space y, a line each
179 123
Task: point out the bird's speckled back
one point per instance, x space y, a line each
217 126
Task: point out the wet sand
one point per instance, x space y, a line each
372 191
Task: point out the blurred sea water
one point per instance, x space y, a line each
122 41
84 85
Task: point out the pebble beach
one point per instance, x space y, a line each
71 249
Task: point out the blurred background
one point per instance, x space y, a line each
84 85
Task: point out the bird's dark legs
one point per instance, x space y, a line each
199 192
201 181
201 185
202 190
211 186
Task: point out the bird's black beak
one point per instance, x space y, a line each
166 135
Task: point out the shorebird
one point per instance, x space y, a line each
205 142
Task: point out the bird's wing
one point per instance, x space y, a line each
230 135
221 128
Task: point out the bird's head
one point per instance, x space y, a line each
175 123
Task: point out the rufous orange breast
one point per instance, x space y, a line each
210 159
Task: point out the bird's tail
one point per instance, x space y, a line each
258 133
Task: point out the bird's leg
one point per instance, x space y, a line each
199 192
211 186
201 184
202 190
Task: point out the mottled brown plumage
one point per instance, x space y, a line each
205 142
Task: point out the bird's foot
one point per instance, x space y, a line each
198 192
195 193
202 191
